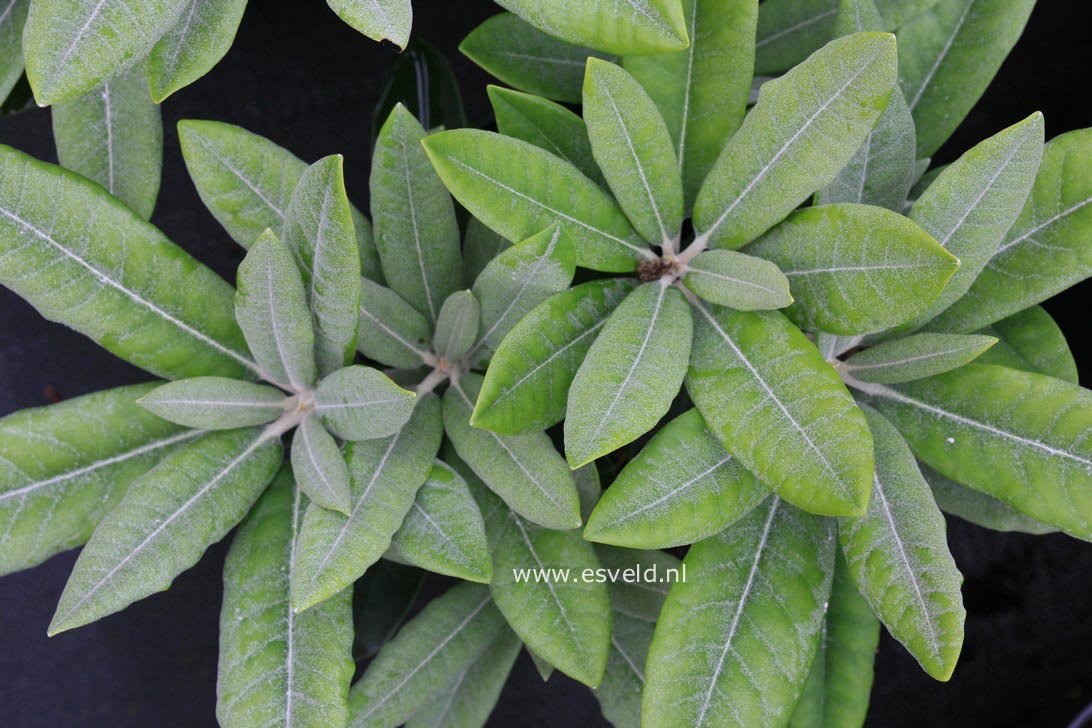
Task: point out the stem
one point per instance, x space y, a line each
434 379
700 244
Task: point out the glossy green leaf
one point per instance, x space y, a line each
739 281
916 357
480 245
278 667
947 57
111 276
457 326
12 20
165 521
806 127
65 466
1031 341
391 331
319 467
735 642
215 403
635 27
361 403
855 269
389 20
791 30
113 135
527 385
980 508
766 393
382 599
196 42
682 487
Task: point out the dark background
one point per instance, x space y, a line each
299 76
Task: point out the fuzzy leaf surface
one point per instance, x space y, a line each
457 325
739 281
361 403
980 508
196 42
790 30
635 27
1031 341
215 403
380 20
391 331
916 357
319 467
12 21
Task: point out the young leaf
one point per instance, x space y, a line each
111 276
384 475
11 45
527 385
524 57
790 30
1031 341
480 246
277 666
391 331
807 126
426 656
114 136
215 403
631 373
443 532
980 508
735 642
948 56
525 470
855 269
196 42
702 91
415 226
382 599
634 149
319 467
520 190
636 27
898 557
65 466
457 325
682 487
389 20
361 403
166 520
916 357
766 393
739 281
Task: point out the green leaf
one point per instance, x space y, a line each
735 642
11 46
916 357
897 12
426 656
766 393
634 150
382 599
415 226
682 487
631 373
638 595
389 20
114 136
619 693
361 403
196 42
319 467
980 508
791 30
277 666
391 331
457 326
1025 444
524 57
702 91
166 520
947 57
443 531
856 269
519 190
480 245
526 387
1031 341
1046 251
898 557
65 466
72 46
545 670
566 620
739 281
384 475
636 27
215 403
112 276
525 470
322 239
422 78
806 127
588 488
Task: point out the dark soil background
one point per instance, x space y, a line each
301 77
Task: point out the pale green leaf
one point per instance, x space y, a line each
635 27
1031 341
389 20
545 670
457 326
896 12
619 693
791 30
739 281
319 467
215 403
196 42
916 357
638 580
980 508
382 599
588 488
12 19
391 331
480 245
361 403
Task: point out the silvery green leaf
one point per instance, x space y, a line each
384 475
319 467
635 27
545 670
443 531
361 403
898 557
682 487
391 331
480 245
947 57
619 693
739 281
457 325
277 666
166 520
430 652
1031 341
980 508
588 488
65 466
215 403
105 272
916 357
12 20
415 227
638 580
196 42
382 599
113 135
832 346
806 127
736 640
389 20
896 12
791 30
631 373
525 470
